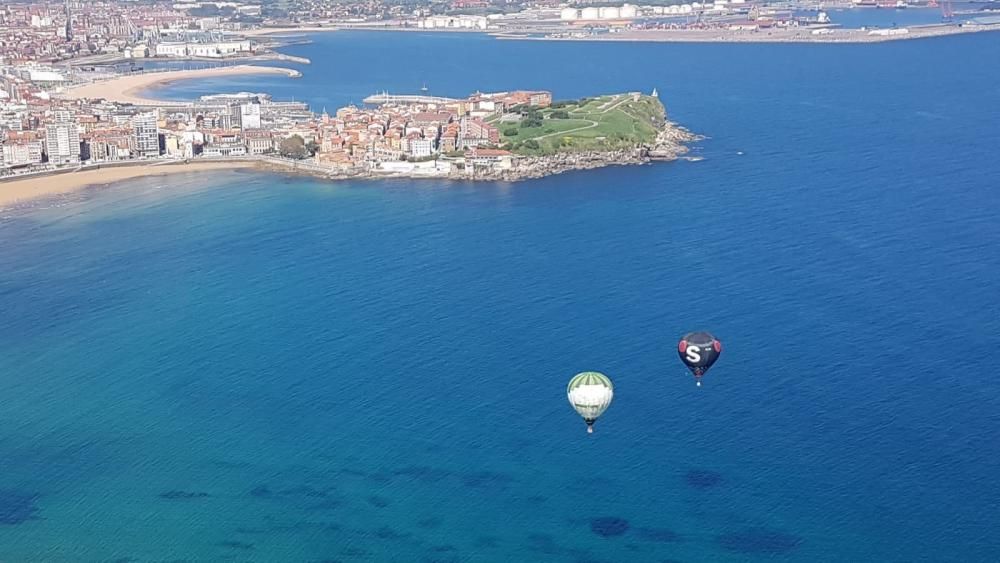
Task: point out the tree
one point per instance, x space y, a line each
312 147
293 147
510 132
531 144
560 114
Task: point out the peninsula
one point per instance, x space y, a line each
106 131
496 136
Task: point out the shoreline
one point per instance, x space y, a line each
719 35
798 36
265 31
15 192
130 89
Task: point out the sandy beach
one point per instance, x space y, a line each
128 89
19 191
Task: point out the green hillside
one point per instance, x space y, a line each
602 123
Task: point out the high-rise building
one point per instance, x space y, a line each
250 116
147 135
69 23
62 143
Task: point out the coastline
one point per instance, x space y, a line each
23 190
129 89
264 31
839 36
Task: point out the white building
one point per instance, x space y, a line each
454 22
250 116
210 50
147 135
62 143
421 147
569 14
21 153
171 50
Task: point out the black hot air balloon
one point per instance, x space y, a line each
698 351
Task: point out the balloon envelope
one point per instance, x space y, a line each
590 393
698 351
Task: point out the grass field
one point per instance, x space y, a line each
604 122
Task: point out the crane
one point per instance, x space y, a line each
947 10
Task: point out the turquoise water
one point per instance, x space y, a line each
254 367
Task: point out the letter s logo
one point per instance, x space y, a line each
692 354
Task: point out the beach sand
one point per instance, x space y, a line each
128 89
19 191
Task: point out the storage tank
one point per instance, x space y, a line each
686 8
609 13
674 9
658 10
629 11
568 14
590 14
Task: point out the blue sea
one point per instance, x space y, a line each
246 366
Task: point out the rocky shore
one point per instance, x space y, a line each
670 144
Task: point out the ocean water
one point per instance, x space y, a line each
254 367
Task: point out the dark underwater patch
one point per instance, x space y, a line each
377 501
303 491
422 473
387 533
543 543
609 526
378 478
326 504
430 523
660 535
537 499
181 495
261 491
487 480
16 507
487 542
703 479
244 546
446 548
758 541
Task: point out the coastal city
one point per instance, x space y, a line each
71 76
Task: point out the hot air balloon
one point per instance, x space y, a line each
590 394
698 351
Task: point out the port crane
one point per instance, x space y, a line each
947 10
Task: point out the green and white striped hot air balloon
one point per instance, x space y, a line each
590 394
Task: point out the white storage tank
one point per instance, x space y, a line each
608 13
686 8
658 10
590 14
629 11
568 14
674 9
